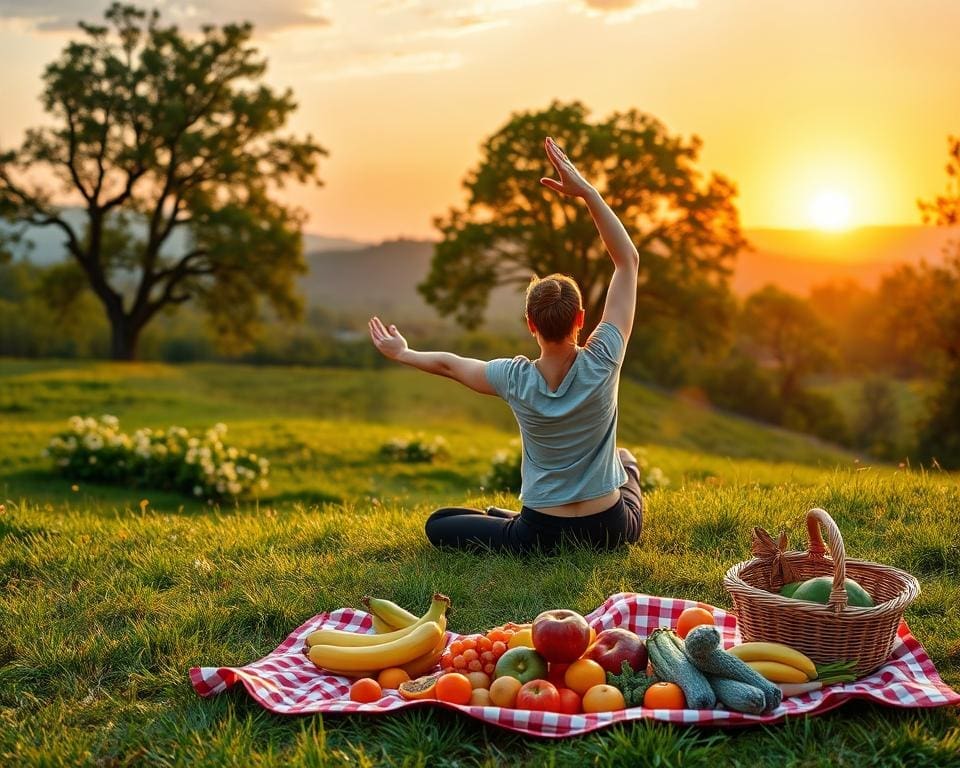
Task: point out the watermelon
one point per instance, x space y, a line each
817 590
787 590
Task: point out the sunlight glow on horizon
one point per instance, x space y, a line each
829 211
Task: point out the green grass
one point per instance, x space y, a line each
105 605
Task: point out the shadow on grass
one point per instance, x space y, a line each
36 486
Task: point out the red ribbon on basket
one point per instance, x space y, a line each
772 553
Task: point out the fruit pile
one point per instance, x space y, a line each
403 646
558 663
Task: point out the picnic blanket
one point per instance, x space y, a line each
288 683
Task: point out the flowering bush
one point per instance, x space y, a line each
96 450
414 450
504 472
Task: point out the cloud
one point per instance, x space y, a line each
396 63
626 10
60 15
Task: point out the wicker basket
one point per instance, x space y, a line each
825 633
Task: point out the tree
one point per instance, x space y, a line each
687 228
174 149
783 329
938 318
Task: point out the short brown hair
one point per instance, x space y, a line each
552 305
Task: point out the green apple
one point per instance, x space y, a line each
523 663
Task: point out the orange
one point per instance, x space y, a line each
603 698
664 696
583 674
421 688
454 688
504 690
391 677
365 690
693 617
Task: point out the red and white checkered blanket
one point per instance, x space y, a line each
288 683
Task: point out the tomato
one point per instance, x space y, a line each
365 690
664 696
569 702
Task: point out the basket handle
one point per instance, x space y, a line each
818 519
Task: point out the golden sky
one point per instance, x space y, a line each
798 102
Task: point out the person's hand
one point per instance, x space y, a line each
387 340
571 182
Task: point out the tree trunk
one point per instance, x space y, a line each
124 335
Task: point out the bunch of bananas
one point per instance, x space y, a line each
403 640
782 664
777 662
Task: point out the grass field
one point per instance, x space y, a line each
106 603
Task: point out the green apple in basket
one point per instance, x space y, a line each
817 590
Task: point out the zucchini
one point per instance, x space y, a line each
670 663
738 696
702 647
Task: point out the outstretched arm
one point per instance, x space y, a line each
468 371
622 293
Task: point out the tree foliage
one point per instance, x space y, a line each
782 329
173 148
936 320
686 227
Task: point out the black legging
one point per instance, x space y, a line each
500 529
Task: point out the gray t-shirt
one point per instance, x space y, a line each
569 436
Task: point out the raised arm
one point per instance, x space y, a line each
621 300
468 371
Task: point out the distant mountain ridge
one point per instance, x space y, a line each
347 275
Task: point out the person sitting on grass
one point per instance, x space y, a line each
576 483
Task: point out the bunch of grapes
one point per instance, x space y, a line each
477 653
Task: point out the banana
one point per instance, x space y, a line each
775 652
347 639
381 627
389 612
426 663
776 672
351 660
416 668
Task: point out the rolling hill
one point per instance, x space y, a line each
345 274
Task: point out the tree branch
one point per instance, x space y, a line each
72 154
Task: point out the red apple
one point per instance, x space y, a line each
561 635
538 695
523 663
618 645
556 673
569 702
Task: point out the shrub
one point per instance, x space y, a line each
416 449
877 423
504 472
173 459
939 437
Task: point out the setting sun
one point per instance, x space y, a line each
830 210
